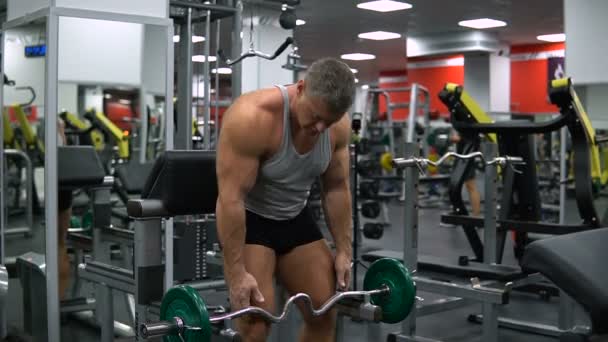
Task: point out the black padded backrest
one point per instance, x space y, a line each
576 263
78 167
185 182
133 175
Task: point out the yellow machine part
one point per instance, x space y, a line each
121 138
96 135
596 166
30 137
478 114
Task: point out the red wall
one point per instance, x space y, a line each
433 78
528 80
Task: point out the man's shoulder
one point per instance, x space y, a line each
256 109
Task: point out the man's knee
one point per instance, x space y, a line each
253 330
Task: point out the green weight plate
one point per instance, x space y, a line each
398 304
87 220
184 302
75 222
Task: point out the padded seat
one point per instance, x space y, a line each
78 167
576 263
133 176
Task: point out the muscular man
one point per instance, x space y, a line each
274 143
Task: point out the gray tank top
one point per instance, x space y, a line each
283 183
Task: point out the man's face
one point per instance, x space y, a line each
312 113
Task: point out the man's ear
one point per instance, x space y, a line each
300 86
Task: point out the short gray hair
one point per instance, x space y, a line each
333 82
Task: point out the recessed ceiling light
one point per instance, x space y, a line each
300 22
195 39
384 5
223 71
356 80
365 87
354 71
201 58
379 35
553 38
482 23
358 56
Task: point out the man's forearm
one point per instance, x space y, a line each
231 234
338 215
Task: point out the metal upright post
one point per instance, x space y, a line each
490 151
100 197
411 119
143 120
183 139
207 80
237 48
169 146
489 310
217 84
50 176
410 235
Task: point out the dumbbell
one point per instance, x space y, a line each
370 209
373 230
184 316
369 189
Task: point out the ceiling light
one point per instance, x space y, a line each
201 58
379 35
482 23
195 39
300 22
358 56
365 87
384 5
356 80
223 71
354 71
553 38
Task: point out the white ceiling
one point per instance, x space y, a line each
332 26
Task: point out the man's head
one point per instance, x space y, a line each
324 95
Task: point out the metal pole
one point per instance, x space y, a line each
183 139
169 146
411 119
207 80
50 177
217 84
490 151
410 236
237 48
143 122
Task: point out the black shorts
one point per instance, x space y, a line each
282 235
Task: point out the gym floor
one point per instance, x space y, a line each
437 240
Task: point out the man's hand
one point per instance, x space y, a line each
243 291
342 267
